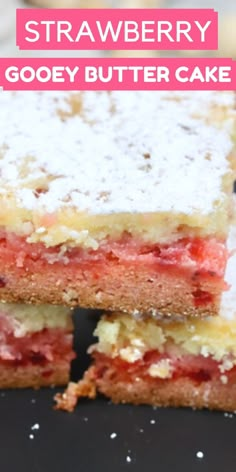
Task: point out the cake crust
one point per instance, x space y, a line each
182 392
34 376
213 395
143 291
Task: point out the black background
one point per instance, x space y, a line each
80 441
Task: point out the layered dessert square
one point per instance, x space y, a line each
119 201
165 363
35 345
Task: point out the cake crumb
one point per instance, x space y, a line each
128 459
224 379
199 455
31 436
228 415
35 426
153 422
40 230
162 369
113 435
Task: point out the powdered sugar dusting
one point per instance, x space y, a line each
118 152
199 454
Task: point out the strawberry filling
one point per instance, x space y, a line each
201 260
43 347
197 368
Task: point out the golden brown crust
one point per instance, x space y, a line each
182 392
144 291
34 375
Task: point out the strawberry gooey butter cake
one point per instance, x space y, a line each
119 201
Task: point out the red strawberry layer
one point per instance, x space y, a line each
200 260
37 348
197 368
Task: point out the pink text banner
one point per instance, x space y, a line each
112 29
117 74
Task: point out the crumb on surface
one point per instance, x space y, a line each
228 415
35 426
84 388
199 455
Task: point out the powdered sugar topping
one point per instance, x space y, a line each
113 152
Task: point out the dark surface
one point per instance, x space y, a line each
80 442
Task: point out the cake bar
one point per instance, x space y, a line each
118 201
35 345
165 363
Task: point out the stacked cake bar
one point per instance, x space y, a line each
174 356
164 362
120 201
